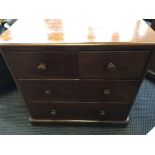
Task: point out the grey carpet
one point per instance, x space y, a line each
14 116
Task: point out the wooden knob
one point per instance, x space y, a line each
42 67
48 92
107 92
111 66
53 112
103 113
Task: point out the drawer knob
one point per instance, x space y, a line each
107 92
103 113
48 92
53 112
111 66
42 67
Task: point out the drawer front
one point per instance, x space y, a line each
152 62
79 90
42 64
112 65
79 111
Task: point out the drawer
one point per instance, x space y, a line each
40 65
79 90
152 62
112 65
79 111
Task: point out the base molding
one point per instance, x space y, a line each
118 123
150 73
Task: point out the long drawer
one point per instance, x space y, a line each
79 111
42 64
111 64
79 90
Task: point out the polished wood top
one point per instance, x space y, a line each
69 31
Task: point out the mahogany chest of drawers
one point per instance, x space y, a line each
87 82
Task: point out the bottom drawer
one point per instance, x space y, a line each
79 111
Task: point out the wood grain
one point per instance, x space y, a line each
72 31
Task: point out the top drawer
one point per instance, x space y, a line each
112 65
41 64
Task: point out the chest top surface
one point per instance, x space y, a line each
68 31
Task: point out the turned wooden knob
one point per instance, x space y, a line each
48 92
111 66
107 92
103 113
42 67
53 112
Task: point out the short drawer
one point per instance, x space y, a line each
79 111
112 65
79 90
42 64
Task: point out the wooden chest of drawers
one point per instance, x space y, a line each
79 82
